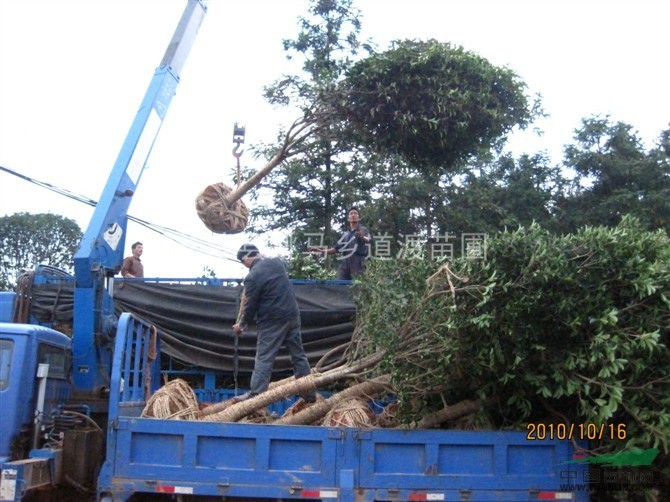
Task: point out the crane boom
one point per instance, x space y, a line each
100 252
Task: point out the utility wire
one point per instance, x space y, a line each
194 243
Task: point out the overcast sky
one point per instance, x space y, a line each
73 73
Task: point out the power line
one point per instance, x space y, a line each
181 238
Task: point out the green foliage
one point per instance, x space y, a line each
563 329
409 136
302 266
313 189
431 103
28 240
311 195
327 39
440 104
502 194
616 178
386 295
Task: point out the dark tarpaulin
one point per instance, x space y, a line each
195 321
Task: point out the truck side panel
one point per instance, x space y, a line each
222 459
454 464
254 460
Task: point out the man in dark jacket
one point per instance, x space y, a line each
353 247
269 298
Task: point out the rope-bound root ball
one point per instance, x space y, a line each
215 212
175 400
352 413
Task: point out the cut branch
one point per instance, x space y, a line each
447 414
319 410
299 131
225 412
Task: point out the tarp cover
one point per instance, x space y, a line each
195 321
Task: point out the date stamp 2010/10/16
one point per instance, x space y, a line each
538 431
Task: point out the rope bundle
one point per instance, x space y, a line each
217 213
174 400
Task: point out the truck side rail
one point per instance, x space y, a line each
135 368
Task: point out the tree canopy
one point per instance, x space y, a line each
28 240
616 177
431 103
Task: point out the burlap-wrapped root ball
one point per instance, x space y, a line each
351 413
216 214
175 400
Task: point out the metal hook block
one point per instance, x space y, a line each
238 133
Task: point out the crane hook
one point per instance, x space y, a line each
236 152
238 139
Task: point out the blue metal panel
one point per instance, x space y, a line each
287 461
7 299
453 461
172 451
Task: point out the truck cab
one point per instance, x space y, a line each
28 353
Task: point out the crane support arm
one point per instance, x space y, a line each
100 253
103 243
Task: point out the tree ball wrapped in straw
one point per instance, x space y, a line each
217 213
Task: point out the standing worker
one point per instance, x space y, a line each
132 265
353 247
269 298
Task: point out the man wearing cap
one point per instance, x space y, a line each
353 247
269 298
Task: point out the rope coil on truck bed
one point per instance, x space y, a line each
174 400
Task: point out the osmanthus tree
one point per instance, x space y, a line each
432 103
28 240
571 329
427 109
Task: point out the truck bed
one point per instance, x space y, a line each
346 464
148 455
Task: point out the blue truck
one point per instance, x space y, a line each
72 395
177 458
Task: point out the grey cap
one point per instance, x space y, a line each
247 251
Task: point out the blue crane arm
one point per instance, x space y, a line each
100 252
103 242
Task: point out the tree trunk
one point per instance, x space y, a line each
453 412
297 133
242 189
319 410
224 412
